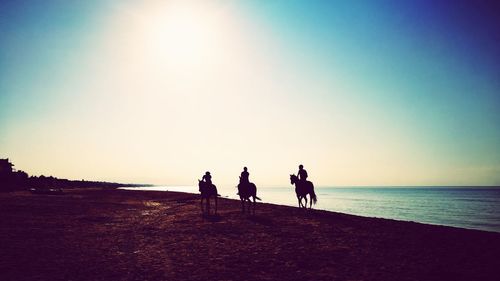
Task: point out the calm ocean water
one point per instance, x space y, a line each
471 207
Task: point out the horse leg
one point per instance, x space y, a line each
300 201
310 201
305 205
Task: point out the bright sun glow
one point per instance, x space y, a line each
180 34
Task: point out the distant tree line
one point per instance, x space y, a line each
10 180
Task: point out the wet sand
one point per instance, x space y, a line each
97 234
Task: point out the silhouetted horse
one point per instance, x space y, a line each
245 191
302 189
207 191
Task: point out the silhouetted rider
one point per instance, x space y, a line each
244 176
207 178
302 174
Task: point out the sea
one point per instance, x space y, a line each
465 207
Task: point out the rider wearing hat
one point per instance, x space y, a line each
207 178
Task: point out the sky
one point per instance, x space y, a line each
379 93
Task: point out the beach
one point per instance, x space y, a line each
108 234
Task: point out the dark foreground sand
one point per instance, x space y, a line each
136 235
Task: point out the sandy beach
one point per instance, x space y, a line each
105 234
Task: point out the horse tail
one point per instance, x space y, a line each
313 194
314 198
253 191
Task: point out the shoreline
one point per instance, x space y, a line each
473 223
109 234
349 214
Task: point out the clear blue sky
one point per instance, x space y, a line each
360 92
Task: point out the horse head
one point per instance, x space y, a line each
293 179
